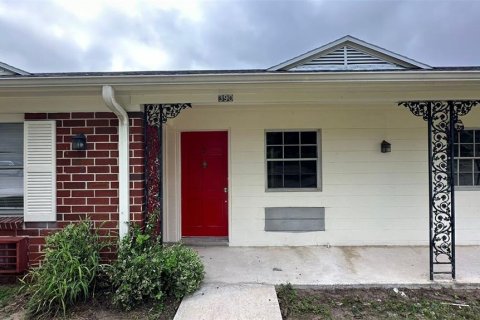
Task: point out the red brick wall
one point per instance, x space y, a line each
87 181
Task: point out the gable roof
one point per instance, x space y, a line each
349 53
6 69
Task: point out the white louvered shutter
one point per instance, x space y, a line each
39 171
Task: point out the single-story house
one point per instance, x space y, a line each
346 145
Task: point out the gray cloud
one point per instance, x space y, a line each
232 34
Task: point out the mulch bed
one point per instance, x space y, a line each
99 308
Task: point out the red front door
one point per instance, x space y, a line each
204 184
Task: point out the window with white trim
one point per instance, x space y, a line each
11 169
467 158
292 160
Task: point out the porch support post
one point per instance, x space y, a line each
156 115
443 124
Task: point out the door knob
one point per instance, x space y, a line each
225 190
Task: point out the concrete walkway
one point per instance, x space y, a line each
231 301
239 282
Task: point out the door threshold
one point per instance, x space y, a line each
205 241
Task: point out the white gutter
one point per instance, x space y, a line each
238 78
108 95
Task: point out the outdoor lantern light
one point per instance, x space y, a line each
386 147
79 142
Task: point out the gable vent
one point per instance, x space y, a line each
345 58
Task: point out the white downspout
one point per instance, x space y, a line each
108 95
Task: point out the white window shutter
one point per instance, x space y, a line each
40 171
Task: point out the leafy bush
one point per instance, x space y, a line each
136 275
147 271
68 271
183 271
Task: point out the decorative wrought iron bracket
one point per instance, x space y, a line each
160 113
155 116
443 122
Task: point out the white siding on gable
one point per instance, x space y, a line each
345 58
39 171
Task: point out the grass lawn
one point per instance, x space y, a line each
12 304
378 303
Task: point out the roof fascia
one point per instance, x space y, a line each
386 54
257 78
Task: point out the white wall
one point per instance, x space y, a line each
370 198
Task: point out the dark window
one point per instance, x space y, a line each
11 168
467 158
292 159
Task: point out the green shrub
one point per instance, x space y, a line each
68 271
147 271
136 275
183 271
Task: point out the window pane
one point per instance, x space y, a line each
465 165
11 156
476 177
274 138
11 144
477 150
309 137
309 167
275 181
309 152
466 150
465 179
477 136
11 189
455 150
291 167
291 137
309 181
275 152
291 172
466 136
291 181
476 165
455 179
292 152
275 167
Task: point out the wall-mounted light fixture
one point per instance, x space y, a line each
385 147
79 142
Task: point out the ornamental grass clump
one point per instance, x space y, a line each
68 271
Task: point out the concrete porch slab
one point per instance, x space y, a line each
231 301
334 266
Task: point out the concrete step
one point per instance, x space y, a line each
205 241
231 302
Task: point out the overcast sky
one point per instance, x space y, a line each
104 35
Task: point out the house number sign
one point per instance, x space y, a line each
225 98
